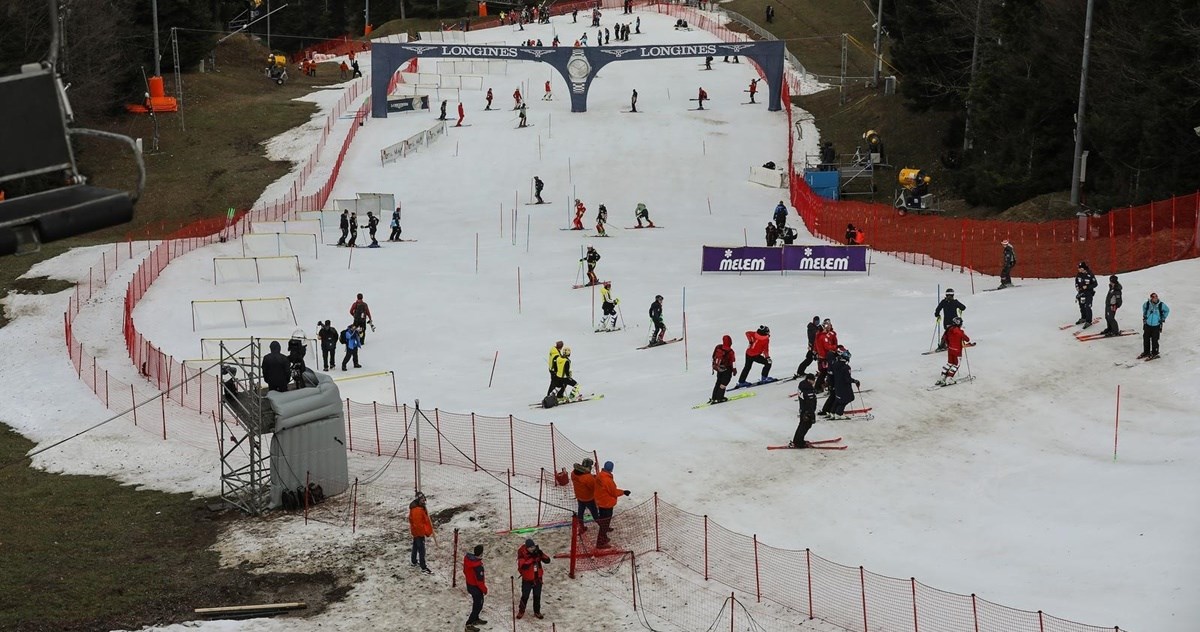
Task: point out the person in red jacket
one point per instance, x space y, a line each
476 586
702 96
585 490
954 338
489 100
724 361
517 99
607 494
529 564
461 115
760 352
421 528
362 317
580 211
549 96
825 345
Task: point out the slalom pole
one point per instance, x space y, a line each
518 289
476 253
495 358
1117 423
685 336
593 303
350 258
621 315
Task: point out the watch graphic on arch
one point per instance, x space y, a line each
578 68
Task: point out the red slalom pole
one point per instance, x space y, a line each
494 359
1117 422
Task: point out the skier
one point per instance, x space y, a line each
353 221
607 494
442 116
824 347
361 312
601 219
517 103
1010 260
633 101
780 215
851 235
808 411
814 327
1154 317
584 484
772 234
607 35
461 115
351 337
537 189
724 359
328 335
395 235
592 258
275 370
344 224
562 376
529 564
656 319
1085 292
548 96
642 213
420 527
476 586
759 352
489 100
555 352
951 307
789 236
952 340
842 393
580 211
708 63
372 226
1112 302
702 96
753 89
524 121
608 305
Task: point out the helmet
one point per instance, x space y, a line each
608 284
229 370
949 291
956 321
1004 243
603 207
658 297
826 323
763 330
566 352
298 334
577 200
843 353
1083 264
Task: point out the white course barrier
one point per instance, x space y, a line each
404 147
275 244
768 177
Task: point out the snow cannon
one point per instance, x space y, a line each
911 179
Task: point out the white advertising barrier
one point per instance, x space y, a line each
327 219
410 144
242 312
287 226
275 244
376 202
768 177
256 269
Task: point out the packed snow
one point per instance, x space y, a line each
1005 487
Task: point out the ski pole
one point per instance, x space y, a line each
936 323
622 316
967 360
578 271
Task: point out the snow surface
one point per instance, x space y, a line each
1005 487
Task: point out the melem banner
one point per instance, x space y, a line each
822 258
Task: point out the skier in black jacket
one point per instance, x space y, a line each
842 392
1085 292
344 224
949 307
656 318
328 334
372 226
808 411
813 328
1010 260
1112 302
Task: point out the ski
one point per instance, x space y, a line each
826 444
637 227
1136 361
770 380
576 287
570 229
1003 287
1091 337
541 527
563 402
665 342
1070 325
965 344
604 331
858 411
535 203
858 392
727 399
962 380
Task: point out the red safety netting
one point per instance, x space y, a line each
523 457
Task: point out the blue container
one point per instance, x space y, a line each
824 183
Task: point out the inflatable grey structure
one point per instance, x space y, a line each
577 65
309 440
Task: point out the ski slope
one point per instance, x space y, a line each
1005 487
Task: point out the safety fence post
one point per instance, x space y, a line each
512 446
437 424
757 579
474 445
862 582
913 583
508 476
657 544
378 448
705 547
349 428
808 569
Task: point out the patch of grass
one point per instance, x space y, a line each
86 553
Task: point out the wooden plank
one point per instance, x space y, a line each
244 610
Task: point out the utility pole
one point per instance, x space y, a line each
1083 73
154 19
268 26
878 45
971 80
367 15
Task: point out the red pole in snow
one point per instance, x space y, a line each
1117 422
493 374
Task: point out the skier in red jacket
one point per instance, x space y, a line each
954 338
476 586
580 211
724 361
760 352
517 99
825 345
461 115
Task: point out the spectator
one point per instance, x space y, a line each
420 527
607 494
529 564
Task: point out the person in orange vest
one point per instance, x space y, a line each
421 528
529 564
607 494
345 69
585 490
476 586
548 96
461 115
517 99
489 99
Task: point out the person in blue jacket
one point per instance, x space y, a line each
1154 316
780 216
352 338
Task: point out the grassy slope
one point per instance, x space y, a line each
84 553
